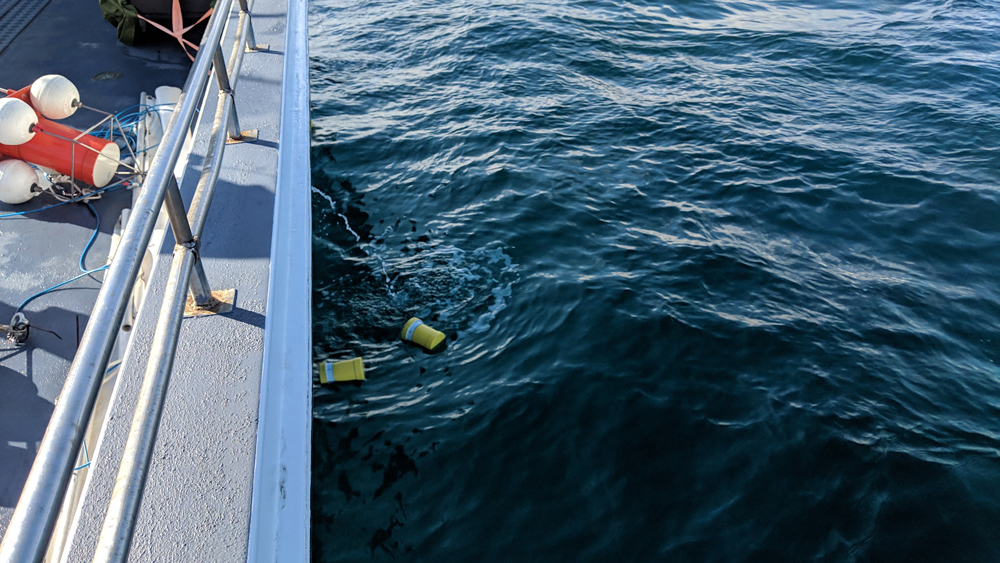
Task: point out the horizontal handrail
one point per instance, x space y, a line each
31 525
119 523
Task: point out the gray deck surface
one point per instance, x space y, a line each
71 38
196 505
15 15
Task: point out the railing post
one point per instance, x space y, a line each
201 291
235 133
251 39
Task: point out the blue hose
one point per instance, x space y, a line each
127 118
83 255
108 188
93 237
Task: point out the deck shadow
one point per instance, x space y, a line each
23 418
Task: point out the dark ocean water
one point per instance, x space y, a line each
721 280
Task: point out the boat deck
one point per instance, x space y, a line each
41 249
213 442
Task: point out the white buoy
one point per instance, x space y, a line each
16 180
54 96
17 122
106 165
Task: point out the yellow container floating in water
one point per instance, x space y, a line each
347 370
416 331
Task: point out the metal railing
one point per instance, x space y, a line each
34 519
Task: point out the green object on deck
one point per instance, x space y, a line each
122 15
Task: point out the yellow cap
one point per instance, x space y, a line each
346 370
416 331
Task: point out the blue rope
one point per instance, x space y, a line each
57 286
86 454
132 118
128 119
108 188
83 255
147 148
93 237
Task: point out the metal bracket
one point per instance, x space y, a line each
194 245
223 301
264 47
248 136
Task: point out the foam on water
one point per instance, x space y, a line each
454 289
333 206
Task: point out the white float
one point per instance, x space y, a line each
17 178
54 96
17 122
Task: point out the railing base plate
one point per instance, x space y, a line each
264 47
248 136
222 303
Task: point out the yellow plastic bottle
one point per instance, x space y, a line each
417 332
346 370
